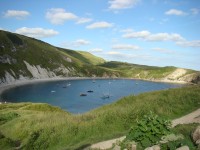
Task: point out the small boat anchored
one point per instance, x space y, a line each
83 94
105 96
90 91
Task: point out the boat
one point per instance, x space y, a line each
105 96
83 94
90 91
53 91
69 84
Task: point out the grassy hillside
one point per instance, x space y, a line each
15 49
24 57
40 126
141 71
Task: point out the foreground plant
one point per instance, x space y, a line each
149 130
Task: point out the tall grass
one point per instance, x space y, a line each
41 126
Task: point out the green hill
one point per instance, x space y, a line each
25 58
22 58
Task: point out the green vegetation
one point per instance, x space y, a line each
186 132
18 48
149 130
155 130
41 126
139 71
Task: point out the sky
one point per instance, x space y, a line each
146 32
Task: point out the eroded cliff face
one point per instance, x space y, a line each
182 75
36 72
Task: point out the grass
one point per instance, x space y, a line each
41 126
187 130
83 64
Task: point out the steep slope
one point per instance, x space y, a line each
24 58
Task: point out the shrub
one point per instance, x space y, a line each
149 130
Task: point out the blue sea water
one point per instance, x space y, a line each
66 94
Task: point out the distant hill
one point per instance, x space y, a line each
25 58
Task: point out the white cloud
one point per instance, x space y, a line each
175 12
122 4
96 50
83 20
102 24
126 57
37 32
195 43
165 37
146 35
80 42
72 44
162 50
59 16
18 14
125 47
194 11
140 34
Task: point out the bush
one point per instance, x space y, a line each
149 130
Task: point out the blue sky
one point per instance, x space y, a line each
148 32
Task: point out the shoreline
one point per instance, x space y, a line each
31 81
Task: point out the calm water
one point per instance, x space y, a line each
66 94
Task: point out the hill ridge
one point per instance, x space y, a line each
25 58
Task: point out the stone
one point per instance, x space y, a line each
155 147
117 147
133 147
196 135
183 148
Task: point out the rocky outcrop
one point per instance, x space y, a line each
38 72
183 148
181 75
196 136
176 75
63 70
6 59
155 147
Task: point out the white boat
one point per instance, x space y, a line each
105 96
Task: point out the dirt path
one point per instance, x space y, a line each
193 117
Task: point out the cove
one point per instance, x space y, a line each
79 96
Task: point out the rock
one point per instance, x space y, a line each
196 135
149 148
65 71
183 148
39 72
9 78
198 142
117 147
155 147
133 147
7 59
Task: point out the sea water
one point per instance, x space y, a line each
67 93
